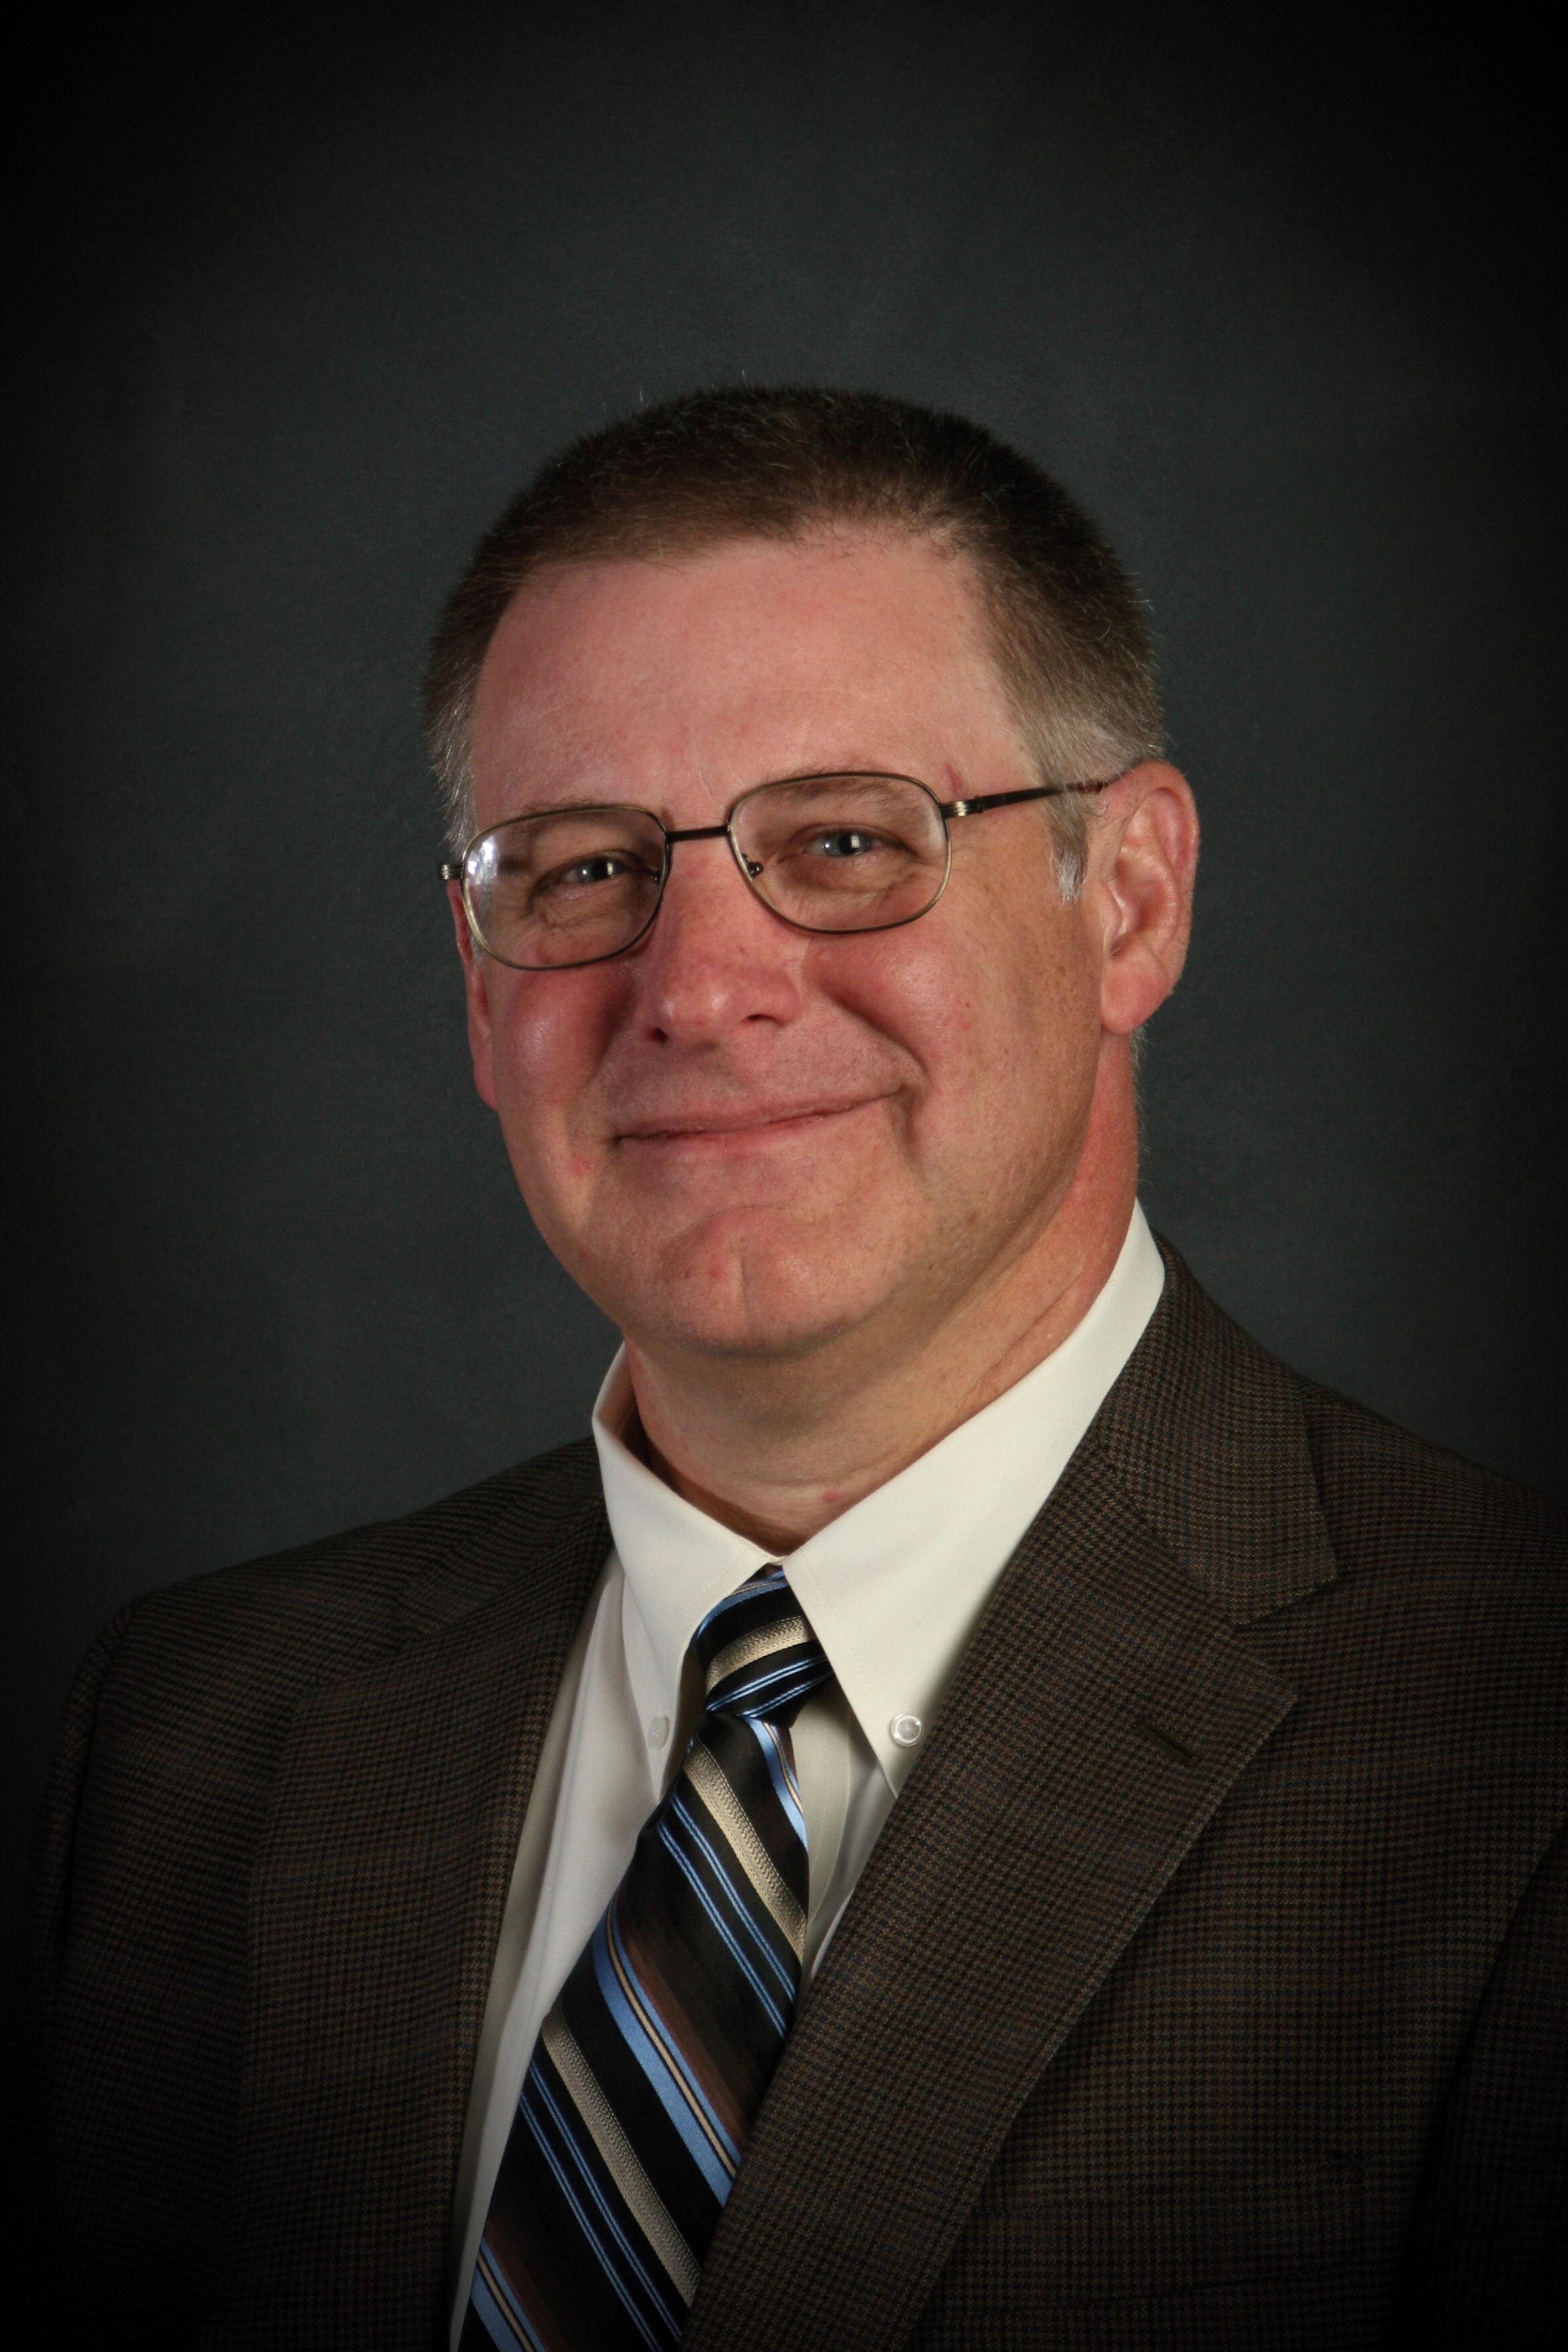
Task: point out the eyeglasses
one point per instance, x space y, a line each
830 854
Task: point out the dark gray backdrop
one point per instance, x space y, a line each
302 306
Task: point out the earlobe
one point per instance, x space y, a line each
476 990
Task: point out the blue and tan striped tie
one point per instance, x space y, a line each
647 2073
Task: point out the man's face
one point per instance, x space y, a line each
737 1138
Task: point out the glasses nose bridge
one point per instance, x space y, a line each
725 832
695 832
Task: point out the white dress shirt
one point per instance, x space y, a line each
893 1590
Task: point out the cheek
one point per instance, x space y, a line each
1001 1014
550 1036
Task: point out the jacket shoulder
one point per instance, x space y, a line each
219 1665
181 1707
1397 1500
342 1602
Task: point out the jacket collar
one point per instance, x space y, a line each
1207 1436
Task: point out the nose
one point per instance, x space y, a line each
715 959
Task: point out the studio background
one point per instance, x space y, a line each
302 307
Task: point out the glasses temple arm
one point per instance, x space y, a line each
1033 792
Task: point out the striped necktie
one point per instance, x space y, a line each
647 2073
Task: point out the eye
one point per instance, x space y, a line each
584 872
843 841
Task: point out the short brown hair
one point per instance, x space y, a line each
1064 625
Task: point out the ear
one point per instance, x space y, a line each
1138 891
475 988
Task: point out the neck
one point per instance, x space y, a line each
777 1449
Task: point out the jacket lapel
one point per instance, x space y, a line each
375 1908
1101 1713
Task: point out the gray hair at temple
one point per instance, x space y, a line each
1064 625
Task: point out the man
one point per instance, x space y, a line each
981 1809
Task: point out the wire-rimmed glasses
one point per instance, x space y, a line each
833 853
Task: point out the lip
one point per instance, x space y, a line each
758 1120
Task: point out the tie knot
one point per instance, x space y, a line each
759 1656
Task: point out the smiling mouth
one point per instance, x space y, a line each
718 1127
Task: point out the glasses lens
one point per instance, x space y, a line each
566 887
844 852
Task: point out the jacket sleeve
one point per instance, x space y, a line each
1488 2254
28 2060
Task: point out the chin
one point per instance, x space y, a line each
753 1304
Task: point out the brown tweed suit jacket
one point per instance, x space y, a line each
1208 1986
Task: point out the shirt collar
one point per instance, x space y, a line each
895 1586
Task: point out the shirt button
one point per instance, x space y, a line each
905 1730
658 1730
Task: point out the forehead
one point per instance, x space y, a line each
710 671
